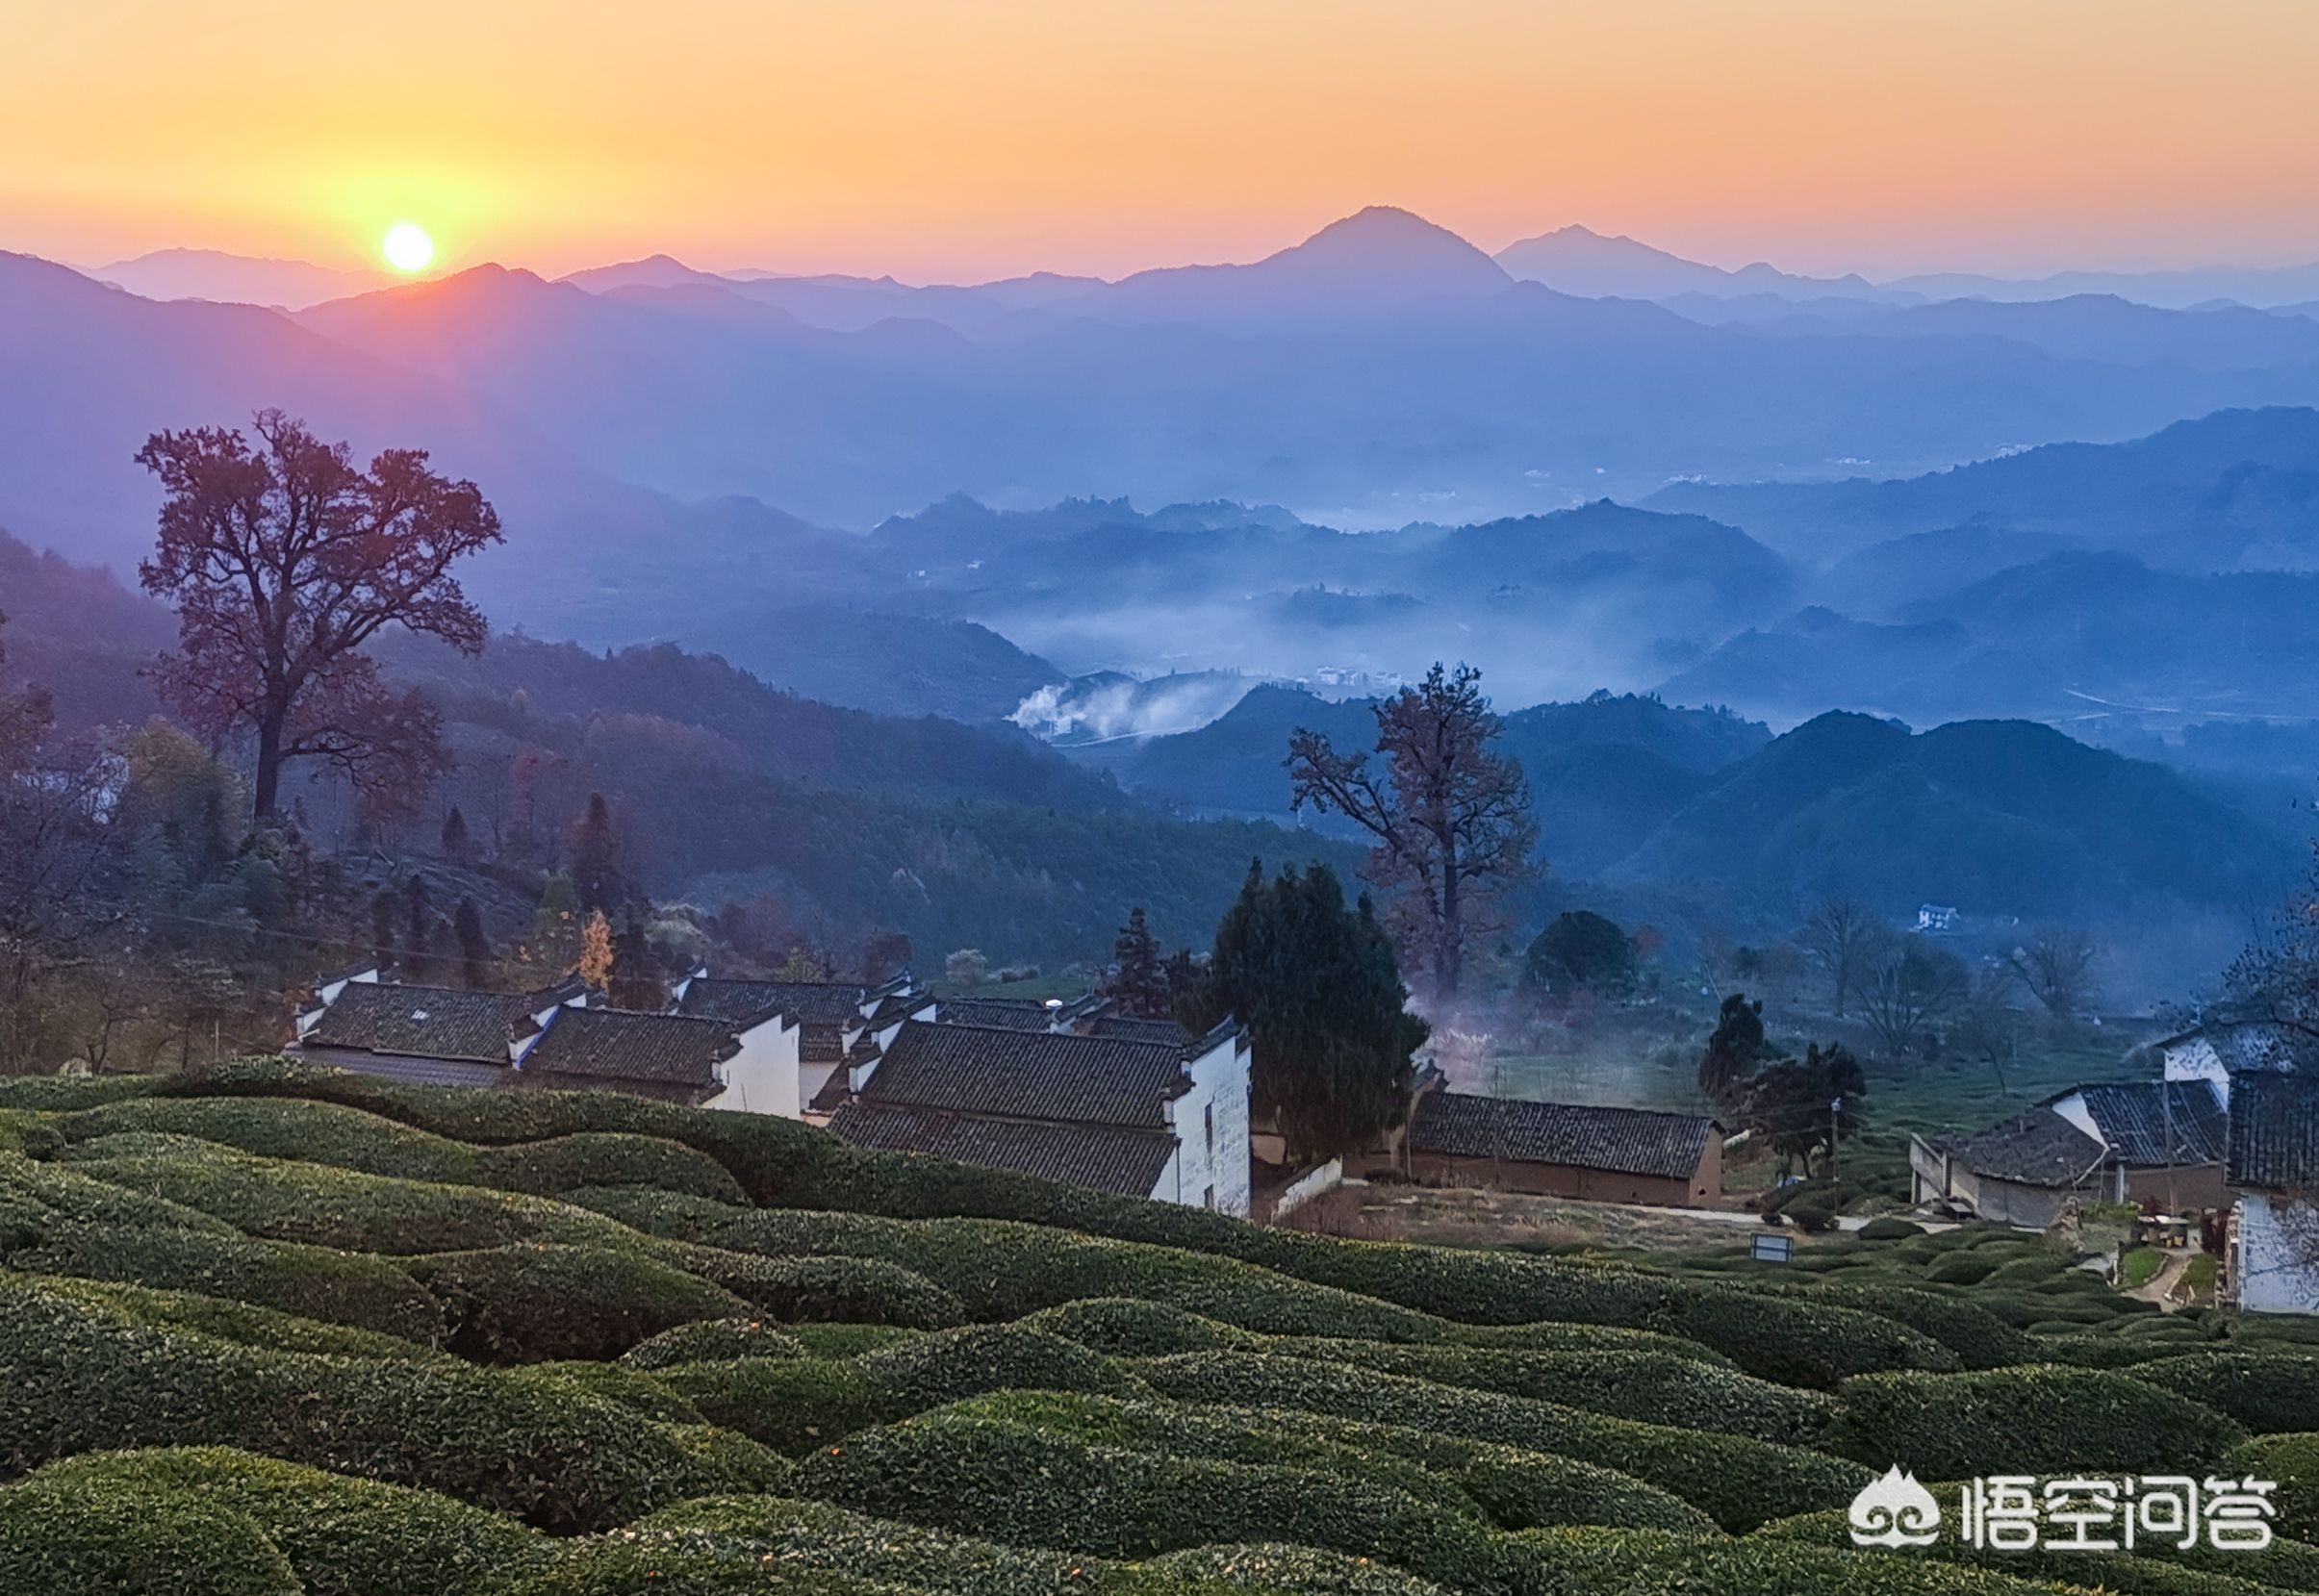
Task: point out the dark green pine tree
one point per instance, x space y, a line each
1137 982
418 940
595 859
637 979
1317 984
475 958
386 909
457 845
1735 1049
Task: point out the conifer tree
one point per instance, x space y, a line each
1317 984
1137 982
418 941
457 845
475 959
595 859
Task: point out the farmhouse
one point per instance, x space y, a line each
1558 1149
652 1056
2271 1254
429 1035
1164 1119
2216 1054
798 1035
2142 1141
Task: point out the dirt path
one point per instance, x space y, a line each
2159 1287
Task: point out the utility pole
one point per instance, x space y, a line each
1835 1132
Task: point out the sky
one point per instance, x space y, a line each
957 141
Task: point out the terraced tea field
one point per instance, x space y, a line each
275 1331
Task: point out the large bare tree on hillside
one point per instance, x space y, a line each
1843 938
1450 818
283 558
2057 966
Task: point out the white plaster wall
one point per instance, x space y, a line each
2271 1279
762 1078
2196 1060
1219 1083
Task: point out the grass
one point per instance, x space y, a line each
2141 1265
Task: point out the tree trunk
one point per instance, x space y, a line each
267 784
1448 944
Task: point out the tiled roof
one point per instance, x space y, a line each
2275 1132
1629 1141
2136 1116
1107 1157
1133 1029
613 1044
747 1003
1027 1075
2038 1147
423 1022
2248 1047
820 1044
1000 1013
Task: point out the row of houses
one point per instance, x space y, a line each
1072 1090
2231 1127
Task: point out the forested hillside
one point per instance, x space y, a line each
279 1331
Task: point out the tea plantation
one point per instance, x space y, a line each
271 1330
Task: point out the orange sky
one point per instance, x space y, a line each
949 139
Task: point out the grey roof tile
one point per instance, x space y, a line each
1628 1141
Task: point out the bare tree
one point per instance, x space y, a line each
1988 1027
1844 938
1450 818
2057 968
1911 993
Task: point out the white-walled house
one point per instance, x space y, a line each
795 1036
1163 1119
2215 1053
2271 1262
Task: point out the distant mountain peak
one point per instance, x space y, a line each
1387 236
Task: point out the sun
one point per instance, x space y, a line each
407 246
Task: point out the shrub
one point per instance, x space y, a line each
76 1377
1291 1570
711 1340
789 1403
2157 1567
1980 1339
1739 1482
950 1365
317 1204
103 1537
1127 1326
633 1389
229 1320
1631 1562
1651 1386
355 1139
2041 1419
2293 1460
534 1302
2267 1392
1548 1336
836 1289
1029 1488
311 1282
340 1536
1889 1228
848 1340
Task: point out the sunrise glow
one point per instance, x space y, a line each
406 248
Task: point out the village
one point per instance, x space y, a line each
2214 1159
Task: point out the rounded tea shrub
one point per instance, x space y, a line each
541 1301
2039 1419
1128 1327
713 1340
950 1365
2269 1392
105 1538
